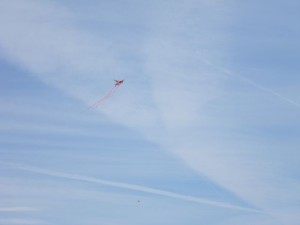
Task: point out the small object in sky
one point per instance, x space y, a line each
117 84
138 202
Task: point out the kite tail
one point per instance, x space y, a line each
101 100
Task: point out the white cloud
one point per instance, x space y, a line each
17 209
133 187
17 221
173 98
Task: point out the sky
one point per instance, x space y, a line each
204 129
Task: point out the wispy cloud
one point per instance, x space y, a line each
18 209
173 99
17 221
128 186
229 73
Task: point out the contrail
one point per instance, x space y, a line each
17 209
251 82
131 187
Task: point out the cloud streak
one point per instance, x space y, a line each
252 83
18 209
127 186
170 97
18 221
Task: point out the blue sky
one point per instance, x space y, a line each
204 130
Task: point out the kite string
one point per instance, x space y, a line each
97 103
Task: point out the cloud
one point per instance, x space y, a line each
178 102
254 84
17 221
17 209
127 186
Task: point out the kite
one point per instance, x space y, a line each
101 100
